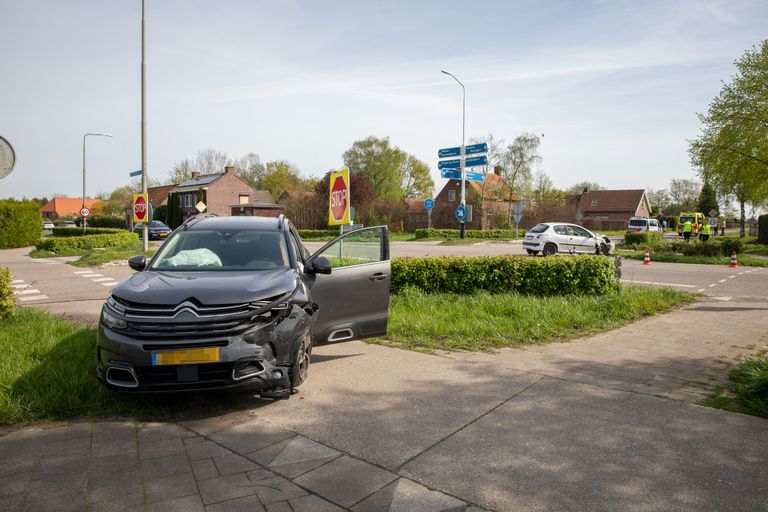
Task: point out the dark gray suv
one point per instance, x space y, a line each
239 301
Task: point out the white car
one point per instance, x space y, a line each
637 224
48 225
550 238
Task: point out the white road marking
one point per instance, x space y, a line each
661 284
722 281
35 297
17 281
700 290
113 283
25 292
731 277
20 286
713 284
84 272
741 273
724 299
100 279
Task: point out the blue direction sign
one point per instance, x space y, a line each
429 204
449 164
476 148
475 176
476 161
445 152
461 213
136 173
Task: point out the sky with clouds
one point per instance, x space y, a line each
613 85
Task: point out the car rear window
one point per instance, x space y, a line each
686 218
539 228
638 222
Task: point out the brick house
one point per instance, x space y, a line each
158 196
59 207
222 193
607 209
486 200
262 204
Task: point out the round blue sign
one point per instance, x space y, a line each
429 204
461 213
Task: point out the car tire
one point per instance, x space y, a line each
300 367
550 250
604 249
532 252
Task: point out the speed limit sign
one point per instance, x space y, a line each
84 212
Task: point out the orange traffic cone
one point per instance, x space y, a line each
647 259
734 262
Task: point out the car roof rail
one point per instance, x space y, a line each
280 220
191 221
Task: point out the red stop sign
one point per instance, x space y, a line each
140 208
338 199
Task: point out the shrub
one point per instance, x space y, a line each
57 244
762 229
89 231
7 299
451 234
105 221
750 385
20 223
721 247
644 238
583 275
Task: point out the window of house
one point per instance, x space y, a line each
189 200
243 198
451 195
593 202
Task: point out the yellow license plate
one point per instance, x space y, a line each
191 356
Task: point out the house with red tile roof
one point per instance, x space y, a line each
59 207
608 209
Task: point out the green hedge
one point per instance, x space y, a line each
648 238
450 234
713 247
762 229
106 221
88 231
582 275
310 234
57 244
20 223
7 299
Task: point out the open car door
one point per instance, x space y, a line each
353 299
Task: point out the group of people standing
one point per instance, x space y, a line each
704 230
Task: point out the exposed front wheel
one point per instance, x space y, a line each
532 252
300 367
550 250
605 250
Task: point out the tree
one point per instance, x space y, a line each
684 193
279 177
707 200
117 201
210 161
392 173
581 186
518 162
544 198
250 169
731 152
658 199
181 172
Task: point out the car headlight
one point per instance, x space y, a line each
112 321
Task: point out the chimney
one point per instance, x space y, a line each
229 169
195 174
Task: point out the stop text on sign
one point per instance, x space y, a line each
338 201
140 207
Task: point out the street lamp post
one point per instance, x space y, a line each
463 157
85 222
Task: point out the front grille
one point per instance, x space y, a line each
166 377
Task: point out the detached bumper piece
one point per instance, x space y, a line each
245 373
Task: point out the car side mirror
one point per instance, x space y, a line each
138 262
319 265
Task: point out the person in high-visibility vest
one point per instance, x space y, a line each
705 232
687 228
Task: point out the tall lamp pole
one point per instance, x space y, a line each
85 221
463 131
145 232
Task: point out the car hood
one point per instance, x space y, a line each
208 288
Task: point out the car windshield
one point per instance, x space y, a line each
686 218
157 224
638 222
201 249
539 228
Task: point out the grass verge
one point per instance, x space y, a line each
47 372
663 257
749 389
426 322
98 256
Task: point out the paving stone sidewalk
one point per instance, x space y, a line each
237 463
